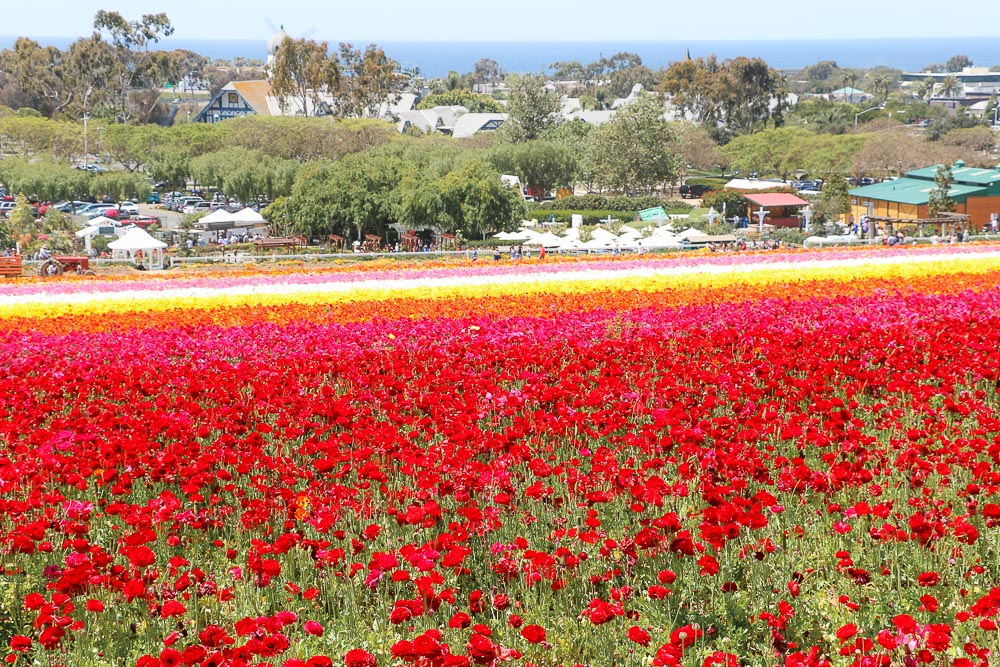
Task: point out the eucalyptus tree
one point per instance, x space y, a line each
637 150
301 72
132 63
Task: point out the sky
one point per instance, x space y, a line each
522 20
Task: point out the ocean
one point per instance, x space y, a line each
436 59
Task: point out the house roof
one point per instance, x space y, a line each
746 184
769 199
961 174
848 91
910 191
255 93
468 124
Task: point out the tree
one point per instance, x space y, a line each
487 72
753 94
35 77
835 200
700 150
777 151
541 165
957 63
132 63
474 102
849 80
532 109
637 150
938 201
950 86
823 70
566 71
625 79
301 71
478 202
370 84
735 97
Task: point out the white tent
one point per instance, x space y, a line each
570 244
655 241
218 215
548 239
103 221
688 233
598 243
137 245
248 216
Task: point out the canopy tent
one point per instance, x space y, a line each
218 215
137 245
249 217
102 221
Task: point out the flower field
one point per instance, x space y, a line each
779 459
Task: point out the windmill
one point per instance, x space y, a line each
278 35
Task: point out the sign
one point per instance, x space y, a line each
854 202
654 213
106 231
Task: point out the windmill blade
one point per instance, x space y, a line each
309 33
270 24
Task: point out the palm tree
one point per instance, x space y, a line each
951 86
850 79
926 89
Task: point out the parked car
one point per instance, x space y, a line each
6 207
197 207
694 190
153 198
128 207
143 220
91 210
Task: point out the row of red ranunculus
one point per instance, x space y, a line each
774 481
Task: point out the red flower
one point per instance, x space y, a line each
314 628
170 657
460 620
95 606
172 608
533 634
20 643
638 635
845 632
481 649
358 657
928 579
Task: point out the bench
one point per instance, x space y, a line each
278 242
10 267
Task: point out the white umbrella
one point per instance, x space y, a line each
570 244
548 239
502 236
660 242
598 244
691 231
